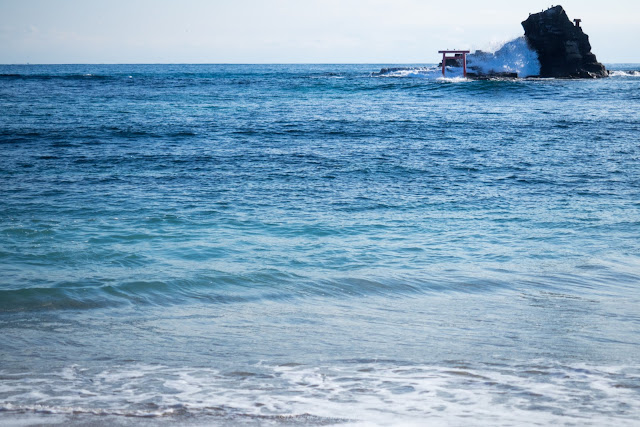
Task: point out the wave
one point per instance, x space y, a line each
373 392
10 76
91 295
225 288
453 75
276 285
513 58
621 73
421 72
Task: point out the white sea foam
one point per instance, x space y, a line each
620 73
453 74
363 393
419 72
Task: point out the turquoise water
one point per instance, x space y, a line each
276 245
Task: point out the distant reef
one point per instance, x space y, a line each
563 48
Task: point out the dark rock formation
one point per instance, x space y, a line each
563 48
479 75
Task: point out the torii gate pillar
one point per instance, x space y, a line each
457 54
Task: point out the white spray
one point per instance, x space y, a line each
513 57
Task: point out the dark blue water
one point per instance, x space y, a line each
277 245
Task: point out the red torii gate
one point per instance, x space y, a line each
456 54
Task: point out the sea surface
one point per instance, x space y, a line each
292 245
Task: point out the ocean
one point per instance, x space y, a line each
292 245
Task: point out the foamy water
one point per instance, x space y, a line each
620 73
363 393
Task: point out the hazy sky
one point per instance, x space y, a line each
288 31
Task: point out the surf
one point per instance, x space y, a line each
512 59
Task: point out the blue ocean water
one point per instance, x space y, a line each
317 245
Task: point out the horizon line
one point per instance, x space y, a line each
247 63
213 63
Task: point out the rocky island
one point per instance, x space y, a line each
552 46
563 48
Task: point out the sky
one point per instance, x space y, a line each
289 31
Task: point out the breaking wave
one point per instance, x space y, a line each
420 72
620 73
513 59
358 392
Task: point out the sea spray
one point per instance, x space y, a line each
513 57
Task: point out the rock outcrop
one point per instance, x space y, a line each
563 48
